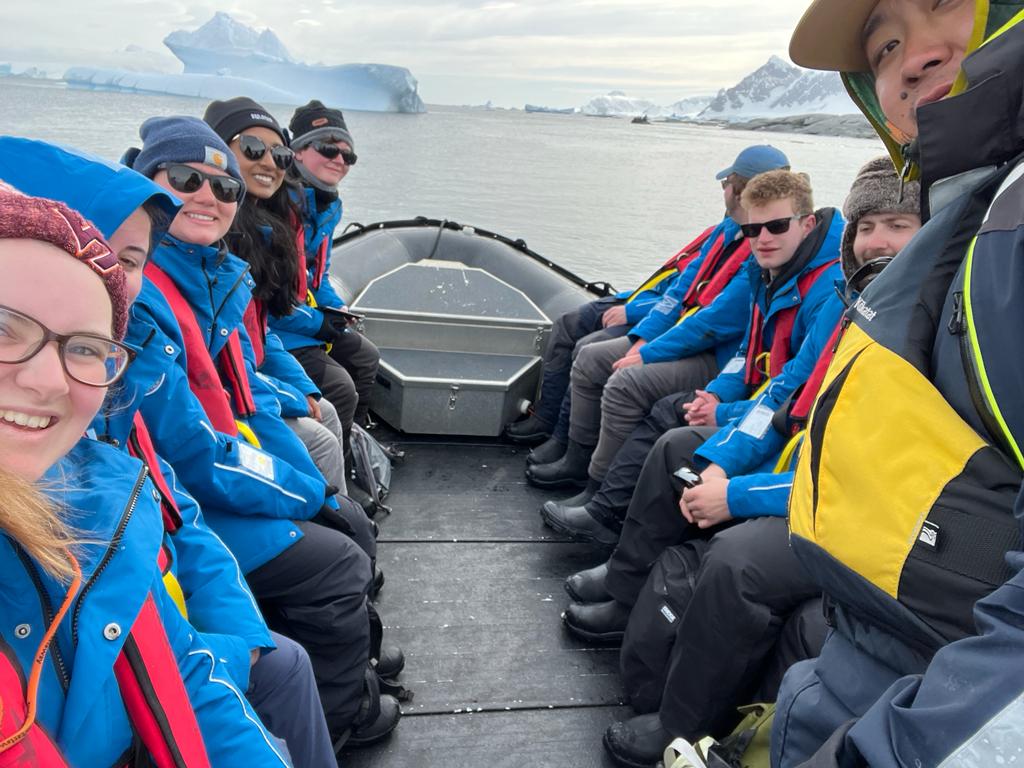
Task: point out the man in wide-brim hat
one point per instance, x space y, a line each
904 505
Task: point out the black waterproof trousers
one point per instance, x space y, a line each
361 358
609 504
653 521
730 647
315 593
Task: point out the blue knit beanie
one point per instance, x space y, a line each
180 140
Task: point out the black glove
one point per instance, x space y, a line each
332 518
328 333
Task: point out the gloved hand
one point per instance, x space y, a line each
328 333
332 518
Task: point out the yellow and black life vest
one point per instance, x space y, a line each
902 503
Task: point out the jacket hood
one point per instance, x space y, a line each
993 19
105 193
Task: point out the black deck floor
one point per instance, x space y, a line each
474 596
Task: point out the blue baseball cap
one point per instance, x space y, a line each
759 158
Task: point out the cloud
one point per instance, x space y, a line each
646 46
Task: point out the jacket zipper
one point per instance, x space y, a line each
115 543
959 325
48 614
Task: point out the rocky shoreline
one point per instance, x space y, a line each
846 126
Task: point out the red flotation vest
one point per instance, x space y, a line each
801 407
720 266
319 265
152 691
222 387
780 353
676 263
21 745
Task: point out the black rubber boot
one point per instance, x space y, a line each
364 734
638 742
391 662
545 453
577 523
568 471
588 586
599 623
528 431
377 583
583 497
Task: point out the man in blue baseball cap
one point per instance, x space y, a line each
759 158
687 335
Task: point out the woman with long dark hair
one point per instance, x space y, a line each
264 235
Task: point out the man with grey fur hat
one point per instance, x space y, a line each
690 685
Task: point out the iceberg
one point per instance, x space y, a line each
199 86
224 58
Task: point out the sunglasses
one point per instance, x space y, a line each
255 148
775 226
89 359
185 178
331 151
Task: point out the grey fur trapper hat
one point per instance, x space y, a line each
875 190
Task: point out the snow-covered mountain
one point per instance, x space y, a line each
777 89
689 107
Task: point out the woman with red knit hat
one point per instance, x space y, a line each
98 667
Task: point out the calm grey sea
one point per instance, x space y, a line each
605 198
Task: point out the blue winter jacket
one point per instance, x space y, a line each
218 600
749 440
730 386
110 503
217 286
718 326
299 329
641 305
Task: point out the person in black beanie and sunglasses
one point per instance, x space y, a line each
324 154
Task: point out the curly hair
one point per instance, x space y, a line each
263 234
768 187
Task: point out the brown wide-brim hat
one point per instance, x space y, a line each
829 36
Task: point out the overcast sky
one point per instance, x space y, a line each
550 52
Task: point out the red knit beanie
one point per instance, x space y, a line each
34 218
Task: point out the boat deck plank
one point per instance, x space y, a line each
474 596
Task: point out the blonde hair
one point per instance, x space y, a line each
768 187
29 518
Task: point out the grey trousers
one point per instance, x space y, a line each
607 406
323 440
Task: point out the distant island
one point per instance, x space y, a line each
777 96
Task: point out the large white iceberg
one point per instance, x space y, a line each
225 58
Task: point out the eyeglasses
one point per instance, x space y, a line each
331 151
254 148
775 226
185 178
95 361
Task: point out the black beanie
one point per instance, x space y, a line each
229 118
314 121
